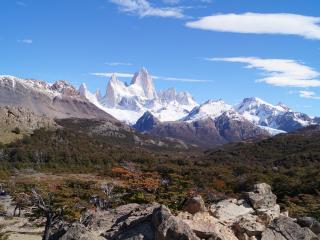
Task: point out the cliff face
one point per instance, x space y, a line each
16 121
256 216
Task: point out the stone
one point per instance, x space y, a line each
262 197
311 223
285 228
169 227
206 226
249 225
79 232
267 215
230 209
194 205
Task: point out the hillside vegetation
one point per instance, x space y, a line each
289 162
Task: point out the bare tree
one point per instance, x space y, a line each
22 200
46 207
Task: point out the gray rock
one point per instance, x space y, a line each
79 232
286 229
127 222
262 197
311 223
169 227
230 209
194 205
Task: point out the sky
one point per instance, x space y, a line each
214 49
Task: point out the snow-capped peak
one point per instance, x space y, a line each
260 112
171 95
143 80
210 109
284 107
83 89
64 88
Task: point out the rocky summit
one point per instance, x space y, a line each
256 216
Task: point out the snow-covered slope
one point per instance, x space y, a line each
210 109
278 116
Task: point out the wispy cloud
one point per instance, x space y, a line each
259 23
171 1
174 79
109 74
143 8
279 72
130 75
115 64
20 3
308 94
26 41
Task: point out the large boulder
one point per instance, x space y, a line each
285 228
262 197
131 221
206 226
248 226
169 227
77 232
230 210
311 223
194 205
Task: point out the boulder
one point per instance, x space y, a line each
131 221
78 232
311 223
230 209
206 226
267 215
262 197
169 227
248 226
285 228
194 205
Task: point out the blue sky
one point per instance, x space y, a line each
216 41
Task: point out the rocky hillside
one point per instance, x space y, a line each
60 100
204 132
115 132
17 121
255 216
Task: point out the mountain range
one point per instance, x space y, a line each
165 113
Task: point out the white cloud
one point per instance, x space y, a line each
308 94
130 75
259 23
26 41
122 75
143 8
174 79
115 64
279 72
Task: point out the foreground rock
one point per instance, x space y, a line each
285 228
256 217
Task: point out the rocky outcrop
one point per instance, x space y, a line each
256 217
285 228
18 121
311 223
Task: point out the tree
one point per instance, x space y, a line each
52 215
16 130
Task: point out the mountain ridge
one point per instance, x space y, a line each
172 114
